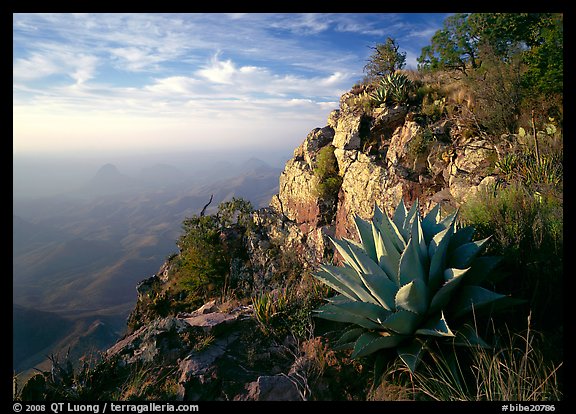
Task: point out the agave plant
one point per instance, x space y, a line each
405 279
379 96
394 88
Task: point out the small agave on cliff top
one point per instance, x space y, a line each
406 279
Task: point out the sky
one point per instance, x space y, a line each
169 82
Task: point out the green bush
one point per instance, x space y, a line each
326 172
202 263
202 269
527 229
421 142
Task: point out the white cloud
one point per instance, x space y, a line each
52 60
85 66
36 66
218 71
172 85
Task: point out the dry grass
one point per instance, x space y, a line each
515 371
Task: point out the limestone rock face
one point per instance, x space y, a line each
402 160
399 151
347 134
387 119
297 199
315 140
364 183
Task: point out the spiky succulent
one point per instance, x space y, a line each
406 277
394 88
379 96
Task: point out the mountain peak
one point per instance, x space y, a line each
108 170
108 179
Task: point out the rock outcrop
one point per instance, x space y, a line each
382 157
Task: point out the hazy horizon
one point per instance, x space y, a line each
42 175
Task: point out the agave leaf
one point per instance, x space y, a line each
375 279
364 229
391 235
473 297
411 353
344 250
399 218
402 322
348 339
378 214
370 342
410 217
365 263
468 336
460 237
335 313
453 278
431 224
390 242
388 263
338 299
438 258
463 256
413 297
435 242
382 289
482 267
420 244
366 310
411 266
350 279
449 219
436 327
335 284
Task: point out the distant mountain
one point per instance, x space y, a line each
39 334
255 165
108 180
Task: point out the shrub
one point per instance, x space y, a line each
420 143
385 60
287 311
326 172
527 230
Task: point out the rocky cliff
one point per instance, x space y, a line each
382 157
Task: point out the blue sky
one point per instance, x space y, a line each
143 82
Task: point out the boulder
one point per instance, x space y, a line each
273 388
316 139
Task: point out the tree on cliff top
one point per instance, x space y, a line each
385 60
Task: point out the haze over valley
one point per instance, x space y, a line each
85 233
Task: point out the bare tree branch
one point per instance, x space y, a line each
206 206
